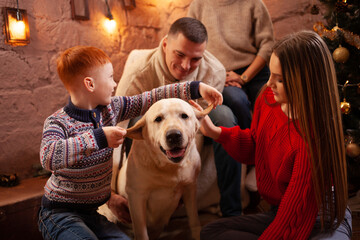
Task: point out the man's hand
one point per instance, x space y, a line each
114 136
210 94
119 207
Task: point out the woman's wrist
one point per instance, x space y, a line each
215 132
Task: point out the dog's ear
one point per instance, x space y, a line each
135 132
200 114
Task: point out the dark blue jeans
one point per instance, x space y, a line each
228 170
69 224
253 225
241 100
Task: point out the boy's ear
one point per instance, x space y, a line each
89 84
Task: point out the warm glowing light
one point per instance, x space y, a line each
110 25
17 29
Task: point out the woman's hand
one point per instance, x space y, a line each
207 127
233 79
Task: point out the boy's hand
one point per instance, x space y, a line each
210 94
114 136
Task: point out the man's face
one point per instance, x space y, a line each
182 56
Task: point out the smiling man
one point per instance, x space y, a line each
182 56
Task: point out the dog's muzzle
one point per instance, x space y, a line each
174 140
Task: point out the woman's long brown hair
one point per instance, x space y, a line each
311 88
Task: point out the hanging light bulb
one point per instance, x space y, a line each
110 23
17 28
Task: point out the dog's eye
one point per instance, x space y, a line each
158 119
184 116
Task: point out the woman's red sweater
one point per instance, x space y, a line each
282 166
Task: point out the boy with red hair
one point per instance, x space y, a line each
78 141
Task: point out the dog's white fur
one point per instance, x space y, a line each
153 178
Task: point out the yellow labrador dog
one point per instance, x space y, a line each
162 167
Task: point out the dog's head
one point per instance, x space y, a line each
169 126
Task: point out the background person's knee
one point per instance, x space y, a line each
223 116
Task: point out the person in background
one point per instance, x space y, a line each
297 145
241 37
182 56
78 141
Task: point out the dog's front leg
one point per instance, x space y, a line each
137 206
189 198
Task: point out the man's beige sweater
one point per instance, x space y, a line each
146 69
238 30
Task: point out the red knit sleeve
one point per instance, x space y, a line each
238 144
297 211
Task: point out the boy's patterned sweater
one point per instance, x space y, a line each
74 147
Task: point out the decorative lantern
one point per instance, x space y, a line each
110 23
16 27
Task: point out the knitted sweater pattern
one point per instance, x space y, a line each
74 147
282 166
238 30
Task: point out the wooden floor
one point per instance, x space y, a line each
20 204
178 227
356 225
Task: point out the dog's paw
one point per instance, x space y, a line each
105 211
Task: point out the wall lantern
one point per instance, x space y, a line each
110 23
16 28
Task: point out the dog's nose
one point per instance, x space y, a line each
173 138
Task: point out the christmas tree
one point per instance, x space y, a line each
340 30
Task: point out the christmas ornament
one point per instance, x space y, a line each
341 54
341 6
9 180
336 28
349 37
345 107
353 150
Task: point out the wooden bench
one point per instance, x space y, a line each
19 207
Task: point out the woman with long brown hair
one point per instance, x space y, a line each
297 145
